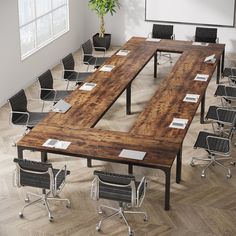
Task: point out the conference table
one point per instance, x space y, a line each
151 132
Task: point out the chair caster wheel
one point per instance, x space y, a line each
131 233
145 218
51 219
192 164
98 228
203 175
68 205
27 200
229 176
232 163
21 215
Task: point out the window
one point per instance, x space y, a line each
40 22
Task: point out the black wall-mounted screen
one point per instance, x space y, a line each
200 12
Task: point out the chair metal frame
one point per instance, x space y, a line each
135 200
45 197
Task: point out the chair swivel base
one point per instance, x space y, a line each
121 212
212 161
44 198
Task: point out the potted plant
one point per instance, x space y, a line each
101 8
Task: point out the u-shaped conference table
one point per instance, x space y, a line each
151 132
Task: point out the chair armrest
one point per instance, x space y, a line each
55 92
23 113
217 138
217 40
101 48
149 35
173 36
144 184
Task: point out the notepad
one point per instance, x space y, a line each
178 123
201 77
153 40
191 97
54 143
132 154
87 86
107 68
210 59
61 106
122 52
200 44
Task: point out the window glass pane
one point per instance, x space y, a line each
57 3
43 29
26 11
42 7
27 38
59 20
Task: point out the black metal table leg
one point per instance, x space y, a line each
44 156
130 166
128 99
202 109
179 166
20 152
167 189
222 61
218 74
155 65
89 162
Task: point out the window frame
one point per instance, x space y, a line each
53 37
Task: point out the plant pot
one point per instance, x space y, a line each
102 41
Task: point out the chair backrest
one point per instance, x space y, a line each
87 48
34 174
18 103
115 187
46 82
162 31
207 35
69 65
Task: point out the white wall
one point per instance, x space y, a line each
130 21
16 74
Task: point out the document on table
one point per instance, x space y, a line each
107 68
87 86
210 59
54 143
61 106
178 123
191 97
153 40
201 77
132 154
122 52
200 44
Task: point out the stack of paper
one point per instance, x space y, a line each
210 59
201 77
54 143
178 123
107 68
153 40
61 106
191 97
200 44
87 86
123 52
132 154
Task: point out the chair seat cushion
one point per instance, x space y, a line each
219 145
229 72
220 91
225 115
60 94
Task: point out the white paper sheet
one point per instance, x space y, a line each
178 123
200 44
87 86
132 154
191 97
201 77
153 40
107 68
122 53
54 143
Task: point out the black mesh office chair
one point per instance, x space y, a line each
160 31
227 94
47 93
43 176
20 115
69 73
88 57
121 188
217 147
230 73
206 35
223 117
